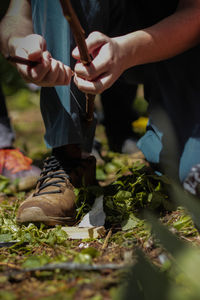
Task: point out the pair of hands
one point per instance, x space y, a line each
106 67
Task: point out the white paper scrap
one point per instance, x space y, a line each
96 216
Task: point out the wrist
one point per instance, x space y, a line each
126 51
11 30
133 47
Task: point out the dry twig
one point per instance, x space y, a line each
105 244
79 36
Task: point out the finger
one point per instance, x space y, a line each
52 75
68 74
101 64
22 69
35 74
39 72
35 45
59 74
21 52
65 75
94 41
25 78
94 87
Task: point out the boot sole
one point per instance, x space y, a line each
36 215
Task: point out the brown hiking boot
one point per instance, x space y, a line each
15 165
54 200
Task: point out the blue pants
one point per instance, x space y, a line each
172 141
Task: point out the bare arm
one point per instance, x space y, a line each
16 23
17 38
169 37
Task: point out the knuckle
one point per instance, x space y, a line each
78 68
35 77
89 77
98 34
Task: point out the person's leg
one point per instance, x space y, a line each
7 135
118 113
172 141
67 134
13 163
117 101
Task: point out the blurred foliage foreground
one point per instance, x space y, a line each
151 249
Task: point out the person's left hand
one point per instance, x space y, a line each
48 72
107 65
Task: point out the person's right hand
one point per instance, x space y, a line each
109 58
48 72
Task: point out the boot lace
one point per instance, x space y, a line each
52 170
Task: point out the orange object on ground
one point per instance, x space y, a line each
14 161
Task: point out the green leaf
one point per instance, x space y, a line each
190 202
83 259
111 168
93 252
4 183
183 222
6 237
122 196
100 174
130 223
36 261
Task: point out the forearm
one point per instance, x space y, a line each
16 23
170 37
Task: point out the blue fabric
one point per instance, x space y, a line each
172 140
63 114
151 144
49 22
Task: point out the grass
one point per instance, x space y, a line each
133 189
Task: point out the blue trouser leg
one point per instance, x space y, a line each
64 128
62 113
173 139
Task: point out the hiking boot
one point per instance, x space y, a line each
53 201
15 165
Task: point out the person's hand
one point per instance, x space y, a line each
107 65
48 72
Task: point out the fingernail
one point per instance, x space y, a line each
75 52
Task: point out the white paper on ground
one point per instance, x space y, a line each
96 216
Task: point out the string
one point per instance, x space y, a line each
76 100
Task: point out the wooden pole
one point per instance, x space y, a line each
79 36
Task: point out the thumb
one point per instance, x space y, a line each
34 46
94 42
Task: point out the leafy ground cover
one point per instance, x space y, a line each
129 188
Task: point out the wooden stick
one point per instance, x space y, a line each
23 61
79 36
105 244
